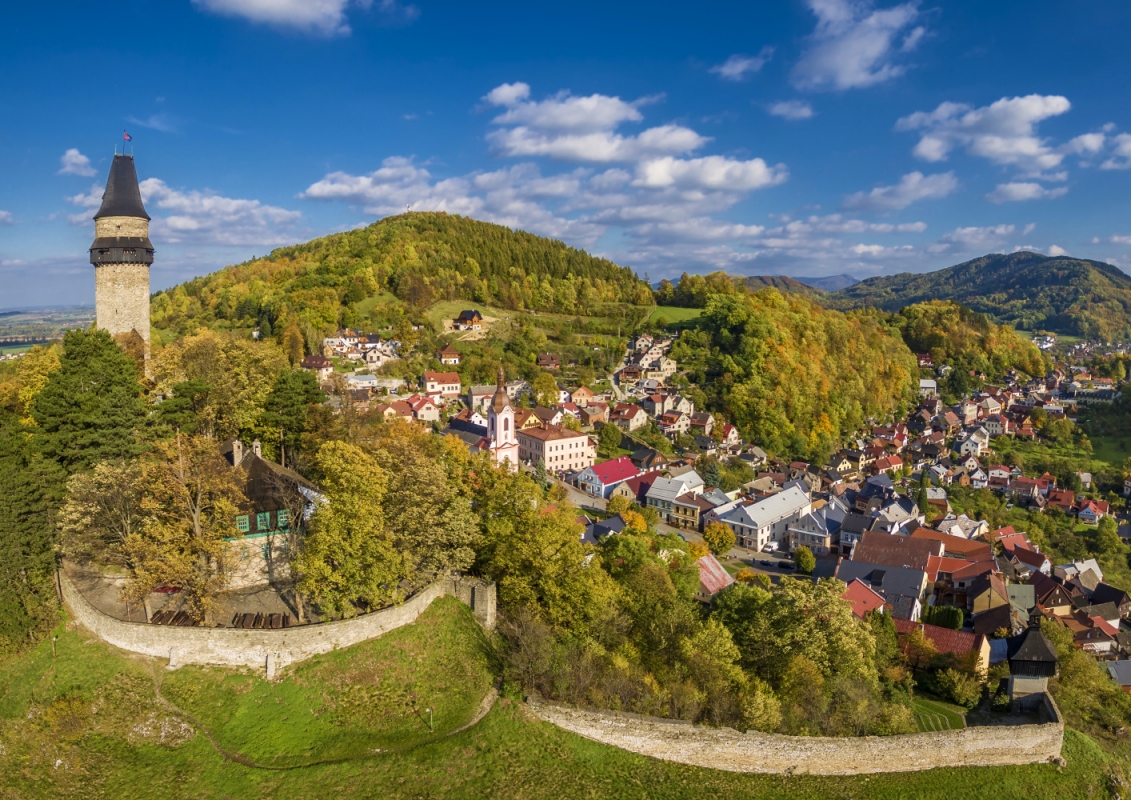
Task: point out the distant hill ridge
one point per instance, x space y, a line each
1027 290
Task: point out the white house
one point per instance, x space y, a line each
768 520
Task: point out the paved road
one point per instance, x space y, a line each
617 393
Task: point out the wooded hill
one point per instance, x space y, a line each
1030 291
785 285
419 257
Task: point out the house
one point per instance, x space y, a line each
549 361
1120 672
959 644
815 530
712 579
646 459
664 491
635 489
890 582
1106 593
986 592
594 413
448 356
628 416
1092 511
479 396
928 388
275 501
582 396
896 550
560 449
768 520
730 437
673 424
548 416
688 509
469 320
864 598
423 409
445 384
321 366
703 422
599 480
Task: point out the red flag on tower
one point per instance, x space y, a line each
127 137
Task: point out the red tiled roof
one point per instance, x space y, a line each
956 545
862 597
944 639
614 470
937 564
712 576
441 377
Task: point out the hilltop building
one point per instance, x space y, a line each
121 254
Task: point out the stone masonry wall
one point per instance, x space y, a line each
727 749
121 226
121 298
268 649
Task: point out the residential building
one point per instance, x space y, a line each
712 579
560 449
864 598
321 366
768 521
445 384
469 320
629 417
599 480
663 493
448 356
549 361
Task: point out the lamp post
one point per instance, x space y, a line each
430 728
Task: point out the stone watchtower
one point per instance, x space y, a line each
121 255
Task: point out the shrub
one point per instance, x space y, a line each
959 687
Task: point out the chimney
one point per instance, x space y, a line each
237 452
257 448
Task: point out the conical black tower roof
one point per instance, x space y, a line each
122 197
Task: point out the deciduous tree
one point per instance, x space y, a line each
719 537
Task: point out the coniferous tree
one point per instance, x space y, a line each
30 486
90 409
286 407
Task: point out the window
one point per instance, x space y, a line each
283 517
241 523
263 521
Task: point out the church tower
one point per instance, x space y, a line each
501 436
121 255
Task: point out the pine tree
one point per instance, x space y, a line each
294 391
30 486
90 409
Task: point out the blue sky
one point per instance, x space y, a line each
810 137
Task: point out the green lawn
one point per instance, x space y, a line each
348 724
934 715
369 303
1111 449
675 313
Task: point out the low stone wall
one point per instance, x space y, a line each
727 749
268 649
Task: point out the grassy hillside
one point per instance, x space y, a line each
88 724
1025 290
417 258
783 284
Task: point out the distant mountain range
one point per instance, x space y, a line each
1027 290
795 285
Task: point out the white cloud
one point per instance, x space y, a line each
73 162
738 66
1056 250
791 109
582 129
6 218
975 238
911 187
320 17
204 218
1086 144
1023 190
1121 153
855 45
1003 132
158 122
710 172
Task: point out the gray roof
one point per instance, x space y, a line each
122 197
883 579
668 489
772 509
1120 672
1022 595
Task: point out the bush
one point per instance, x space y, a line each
959 687
806 561
944 616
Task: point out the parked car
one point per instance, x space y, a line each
766 563
786 565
